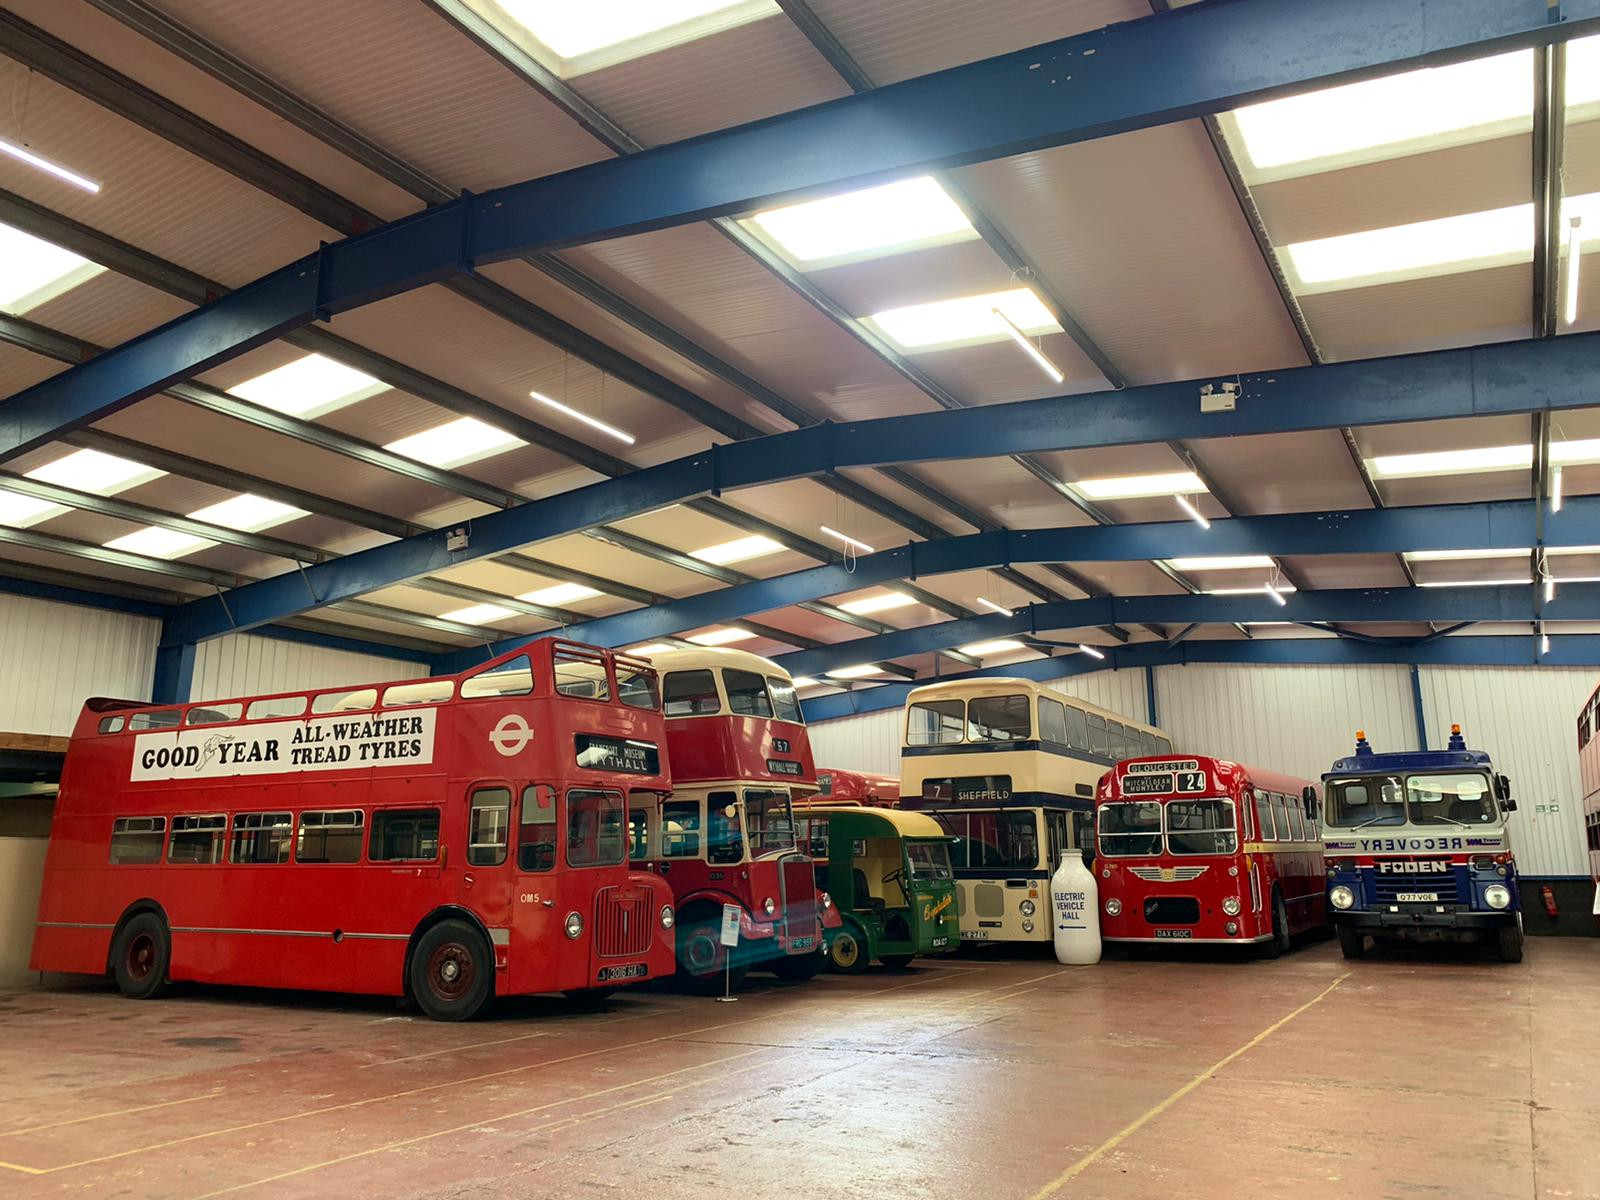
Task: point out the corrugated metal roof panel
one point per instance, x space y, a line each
1284 472
21 368
1468 309
107 309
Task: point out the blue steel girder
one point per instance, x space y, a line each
1501 524
1570 650
1160 69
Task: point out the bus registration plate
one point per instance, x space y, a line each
1174 933
628 971
800 943
1417 897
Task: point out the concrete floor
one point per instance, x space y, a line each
1434 1074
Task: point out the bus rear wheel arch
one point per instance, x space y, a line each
141 954
450 970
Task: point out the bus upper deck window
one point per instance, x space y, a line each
1099 736
426 691
1163 745
637 686
747 693
1077 728
785 704
581 674
156 718
1052 721
999 719
690 693
214 714
276 706
112 724
935 723
514 677
350 701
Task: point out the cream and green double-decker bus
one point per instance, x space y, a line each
1009 767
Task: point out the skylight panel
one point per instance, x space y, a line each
155 542
965 320
649 648
911 214
1225 562
584 37
738 550
92 471
247 513
478 614
1282 589
455 443
1405 113
882 602
1127 487
998 646
20 511
721 637
1583 74
857 672
309 387
559 594
1472 461
37 271
1462 555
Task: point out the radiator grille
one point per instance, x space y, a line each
1172 910
988 900
1168 874
1388 887
622 922
799 895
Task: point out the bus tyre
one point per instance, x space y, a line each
847 953
703 959
797 968
452 972
896 962
1352 942
1509 942
1278 942
140 957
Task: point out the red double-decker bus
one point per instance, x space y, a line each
1204 850
867 788
446 839
726 835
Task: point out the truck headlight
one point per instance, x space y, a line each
1113 907
1026 908
827 901
1342 897
667 916
1496 895
574 925
1231 906
769 906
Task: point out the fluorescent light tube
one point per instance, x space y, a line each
592 422
1224 562
965 320
1574 257
1274 593
859 672
23 154
477 614
998 646
1555 490
879 603
1549 588
1129 487
1089 650
847 539
1194 513
738 550
1032 351
1544 643
721 637
993 607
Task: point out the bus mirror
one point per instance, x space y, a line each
1308 796
730 812
1502 788
1508 806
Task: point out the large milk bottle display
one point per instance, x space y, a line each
1075 905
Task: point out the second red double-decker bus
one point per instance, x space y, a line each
726 836
867 788
1201 849
447 839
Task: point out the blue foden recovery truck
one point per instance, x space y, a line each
1417 848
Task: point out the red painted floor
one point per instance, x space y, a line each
1436 1074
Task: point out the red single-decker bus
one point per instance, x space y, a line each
1201 849
446 839
870 789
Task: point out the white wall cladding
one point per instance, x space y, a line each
870 742
1295 719
1117 691
242 664
53 657
1524 717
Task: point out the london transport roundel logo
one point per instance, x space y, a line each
510 734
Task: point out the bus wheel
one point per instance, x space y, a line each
846 953
703 959
1352 942
896 962
1509 942
140 957
1279 941
797 968
452 973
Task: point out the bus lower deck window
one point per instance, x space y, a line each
404 835
489 829
261 837
680 829
196 839
595 818
330 837
137 839
536 833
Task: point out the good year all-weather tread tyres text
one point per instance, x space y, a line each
452 972
140 957
1352 942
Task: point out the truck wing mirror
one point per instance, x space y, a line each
1308 796
1502 788
1509 806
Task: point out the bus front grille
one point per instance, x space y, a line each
799 882
622 922
1442 887
988 900
1172 910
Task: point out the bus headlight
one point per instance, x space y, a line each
1342 897
1027 927
1026 908
1496 895
574 925
668 917
1231 906
769 906
1113 907
827 901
